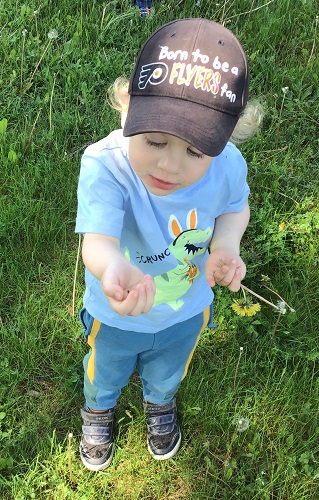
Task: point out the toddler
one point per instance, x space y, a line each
162 205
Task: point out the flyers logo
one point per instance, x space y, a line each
152 74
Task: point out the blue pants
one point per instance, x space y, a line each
144 6
143 3
162 359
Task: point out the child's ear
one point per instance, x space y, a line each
123 118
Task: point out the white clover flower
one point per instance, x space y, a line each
24 32
285 90
242 423
53 34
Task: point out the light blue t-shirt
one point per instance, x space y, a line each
164 236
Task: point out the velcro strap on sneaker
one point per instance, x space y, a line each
161 424
150 408
95 434
98 418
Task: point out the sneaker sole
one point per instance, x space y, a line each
167 455
97 467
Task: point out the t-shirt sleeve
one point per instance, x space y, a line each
237 180
100 199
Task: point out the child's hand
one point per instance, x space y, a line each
127 289
224 267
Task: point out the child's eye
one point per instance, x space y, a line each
155 144
194 153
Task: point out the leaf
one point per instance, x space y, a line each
12 156
3 127
6 463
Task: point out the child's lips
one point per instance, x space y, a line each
160 184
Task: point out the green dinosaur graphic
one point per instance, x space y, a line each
186 245
171 286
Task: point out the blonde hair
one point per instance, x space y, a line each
248 122
119 98
247 125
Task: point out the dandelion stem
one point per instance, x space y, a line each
314 40
279 296
274 332
228 452
36 25
103 16
38 64
280 114
241 349
51 101
70 436
259 297
22 62
26 148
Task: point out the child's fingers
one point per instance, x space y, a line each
145 300
215 275
221 274
146 291
126 306
229 275
149 280
138 301
150 295
114 291
226 275
235 280
111 286
234 285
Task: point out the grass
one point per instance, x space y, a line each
53 103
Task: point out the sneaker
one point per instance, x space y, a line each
163 432
96 447
144 6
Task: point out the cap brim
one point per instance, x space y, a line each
205 128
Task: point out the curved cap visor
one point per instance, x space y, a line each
173 116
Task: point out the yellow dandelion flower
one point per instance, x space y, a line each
244 307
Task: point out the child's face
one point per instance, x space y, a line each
165 163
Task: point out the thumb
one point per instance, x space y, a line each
111 286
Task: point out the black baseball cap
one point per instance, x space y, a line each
190 80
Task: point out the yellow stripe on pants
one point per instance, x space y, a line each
206 315
91 341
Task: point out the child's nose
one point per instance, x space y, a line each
171 162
